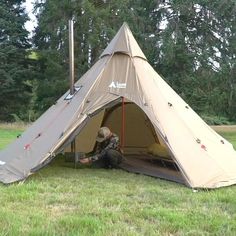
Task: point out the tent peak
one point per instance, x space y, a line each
124 42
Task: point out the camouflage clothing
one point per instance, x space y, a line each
108 152
112 143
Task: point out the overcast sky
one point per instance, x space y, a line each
29 8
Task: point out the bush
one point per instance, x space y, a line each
216 120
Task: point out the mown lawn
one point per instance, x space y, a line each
61 200
7 135
231 136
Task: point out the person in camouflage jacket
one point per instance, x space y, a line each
107 149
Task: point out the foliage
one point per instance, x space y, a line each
96 22
192 44
15 71
216 120
197 53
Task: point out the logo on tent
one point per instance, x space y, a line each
117 85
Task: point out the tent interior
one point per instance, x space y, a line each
143 148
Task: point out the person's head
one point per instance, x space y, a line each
104 133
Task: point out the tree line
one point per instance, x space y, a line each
190 43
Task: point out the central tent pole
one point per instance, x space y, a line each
123 125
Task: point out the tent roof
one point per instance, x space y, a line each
124 42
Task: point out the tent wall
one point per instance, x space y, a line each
204 158
138 133
85 141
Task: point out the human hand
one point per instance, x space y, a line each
84 160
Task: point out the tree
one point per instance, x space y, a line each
96 22
15 89
196 46
190 43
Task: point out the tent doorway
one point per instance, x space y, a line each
144 150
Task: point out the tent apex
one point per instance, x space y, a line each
124 42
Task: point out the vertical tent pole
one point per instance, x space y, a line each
123 125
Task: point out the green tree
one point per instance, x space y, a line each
191 43
197 51
15 89
96 22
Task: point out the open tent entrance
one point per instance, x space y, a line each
143 148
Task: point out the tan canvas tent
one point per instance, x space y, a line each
154 114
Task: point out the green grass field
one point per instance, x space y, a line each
231 137
61 200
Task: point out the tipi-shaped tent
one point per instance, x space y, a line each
153 113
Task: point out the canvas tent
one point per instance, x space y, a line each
154 113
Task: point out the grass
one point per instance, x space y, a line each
8 133
231 136
61 200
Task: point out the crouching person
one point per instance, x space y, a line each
107 153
